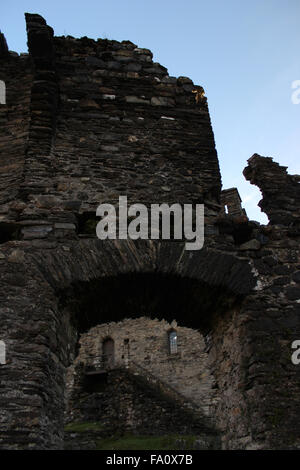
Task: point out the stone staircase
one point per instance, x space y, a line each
167 392
170 392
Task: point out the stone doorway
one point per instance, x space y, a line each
108 353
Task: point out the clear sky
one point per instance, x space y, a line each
245 53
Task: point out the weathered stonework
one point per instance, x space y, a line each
86 121
142 388
142 344
124 401
231 202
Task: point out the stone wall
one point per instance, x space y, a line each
231 202
280 191
17 73
127 403
143 344
105 120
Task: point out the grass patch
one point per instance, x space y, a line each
130 442
83 427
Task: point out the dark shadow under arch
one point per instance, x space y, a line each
192 303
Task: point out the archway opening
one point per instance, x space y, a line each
129 318
191 302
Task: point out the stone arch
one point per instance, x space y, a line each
53 277
96 268
92 261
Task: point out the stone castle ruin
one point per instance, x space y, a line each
140 335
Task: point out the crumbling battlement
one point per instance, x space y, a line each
280 191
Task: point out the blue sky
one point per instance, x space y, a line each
245 53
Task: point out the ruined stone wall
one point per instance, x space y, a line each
142 343
251 348
231 203
105 120
280 191
126 127
86 120
127 403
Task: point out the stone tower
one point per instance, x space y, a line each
84 122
